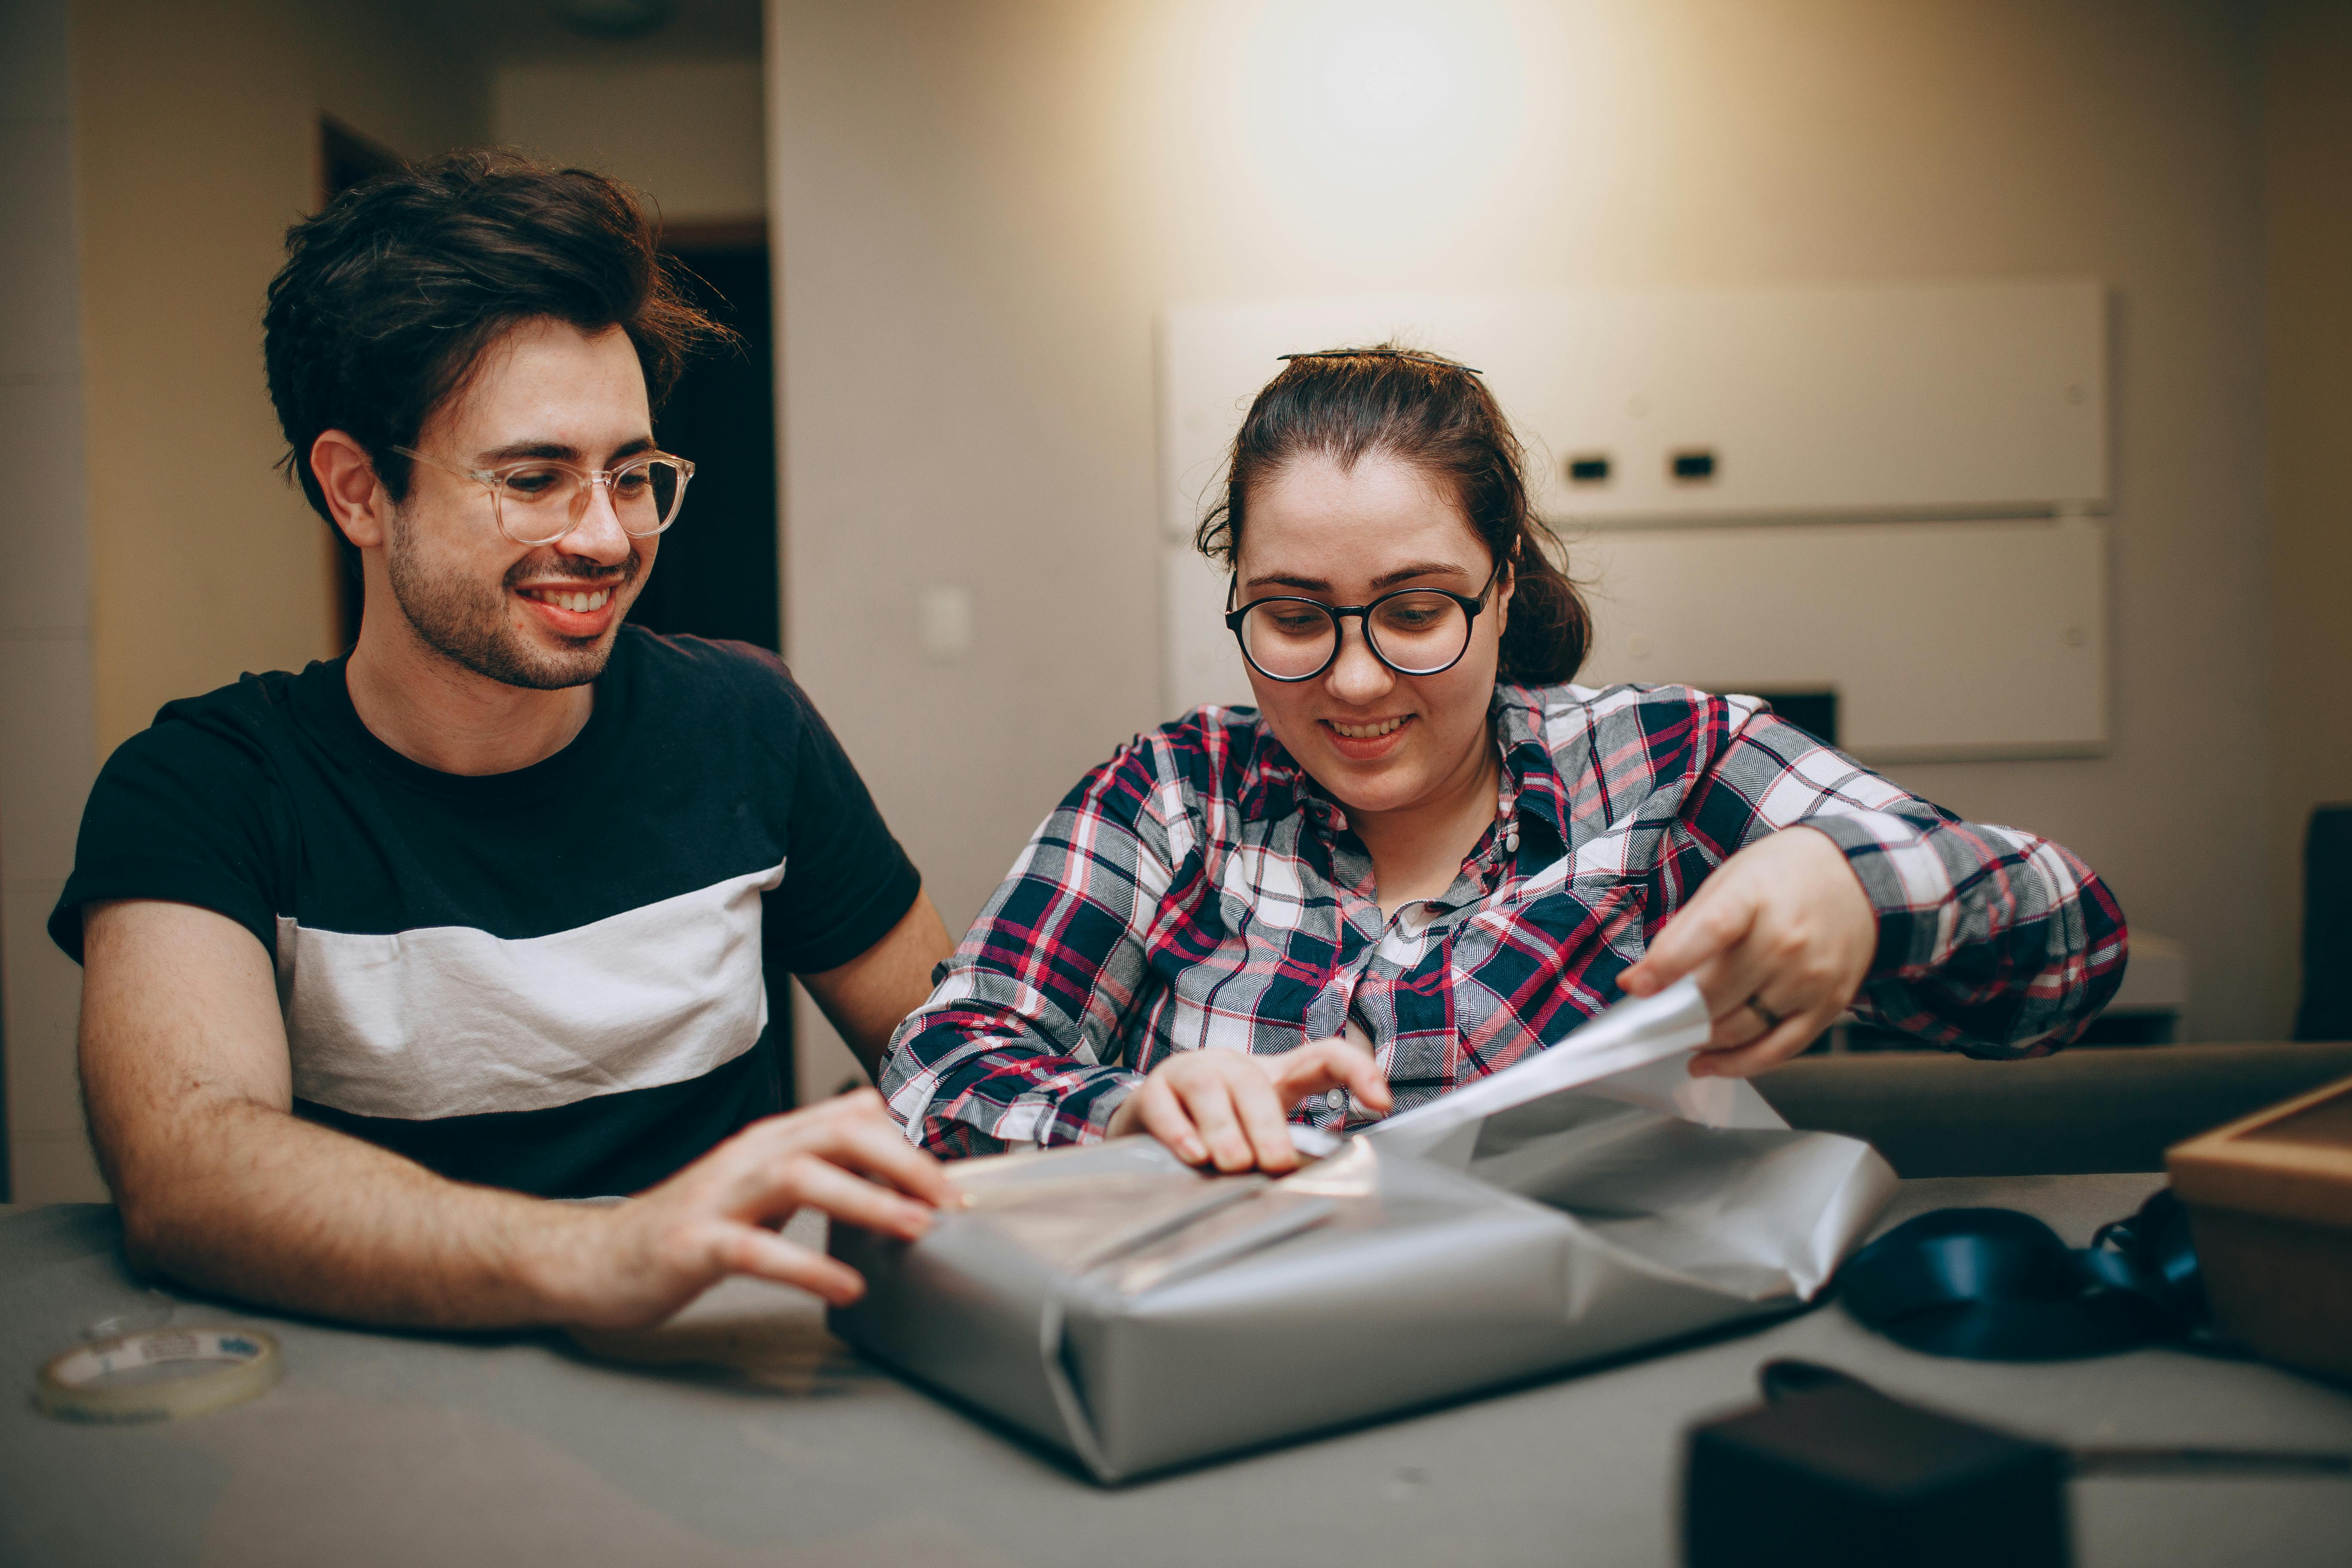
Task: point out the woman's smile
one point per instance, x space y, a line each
1369 740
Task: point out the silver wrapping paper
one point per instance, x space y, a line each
1137 1314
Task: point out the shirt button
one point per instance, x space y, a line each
1338 1101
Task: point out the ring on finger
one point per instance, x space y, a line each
1771 1020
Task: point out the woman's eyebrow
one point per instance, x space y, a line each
1386 579
1419 569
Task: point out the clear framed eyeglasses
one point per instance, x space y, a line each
1413 631
538 500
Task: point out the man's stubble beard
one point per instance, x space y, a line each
466 624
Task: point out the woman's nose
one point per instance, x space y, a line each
1356 676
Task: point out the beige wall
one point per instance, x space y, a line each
687 132
981 206
45 645
191 135
2307 152
196 132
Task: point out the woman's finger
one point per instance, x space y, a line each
1735 981
1324 1065
1718 917
1209 1102
1262 1113
1368 1083
1742 1025
1732 976
1162 1115
1777 1045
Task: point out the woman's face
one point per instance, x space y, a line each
1376 741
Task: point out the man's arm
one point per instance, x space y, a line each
871 995
186 1070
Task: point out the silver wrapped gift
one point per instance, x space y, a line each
1591 1199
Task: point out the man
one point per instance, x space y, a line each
379 957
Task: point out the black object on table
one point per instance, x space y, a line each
1993 1284
1831 1471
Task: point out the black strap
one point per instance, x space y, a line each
1996 1285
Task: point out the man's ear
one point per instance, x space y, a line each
347 479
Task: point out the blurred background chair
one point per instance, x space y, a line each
2114 1109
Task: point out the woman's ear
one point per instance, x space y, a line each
354 495
1504 587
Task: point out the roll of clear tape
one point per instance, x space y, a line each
163 1374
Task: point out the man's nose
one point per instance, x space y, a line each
597 534
1356 676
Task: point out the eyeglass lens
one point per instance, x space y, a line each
539 504
1413 633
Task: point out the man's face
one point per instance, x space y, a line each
543 616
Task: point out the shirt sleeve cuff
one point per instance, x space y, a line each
1074 1106
1909 889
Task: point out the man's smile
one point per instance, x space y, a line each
575 609
569 600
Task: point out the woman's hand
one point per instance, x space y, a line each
1779 937
1232 1110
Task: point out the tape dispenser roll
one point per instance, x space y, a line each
163 1374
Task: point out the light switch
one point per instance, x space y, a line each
943 623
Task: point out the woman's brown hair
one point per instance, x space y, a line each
1438 415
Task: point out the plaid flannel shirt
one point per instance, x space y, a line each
1198 890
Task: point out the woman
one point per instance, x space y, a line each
1426 854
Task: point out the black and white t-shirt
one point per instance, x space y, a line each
554 979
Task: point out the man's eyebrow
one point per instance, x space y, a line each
515 451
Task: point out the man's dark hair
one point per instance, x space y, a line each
390 295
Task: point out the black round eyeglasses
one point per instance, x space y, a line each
1413 631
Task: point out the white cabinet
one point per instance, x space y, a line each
1943 641
1887 491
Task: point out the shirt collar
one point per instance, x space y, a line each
1527 764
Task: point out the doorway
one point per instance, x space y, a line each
716 573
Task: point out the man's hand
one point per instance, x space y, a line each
1232 1110
221 1187
635 1264
1780 937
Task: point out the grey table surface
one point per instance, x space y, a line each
744 1434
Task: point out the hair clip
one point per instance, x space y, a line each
1416 355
